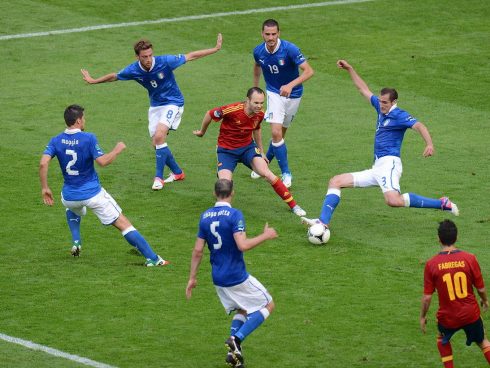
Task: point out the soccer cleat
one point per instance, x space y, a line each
175 177
230 360
298 211
447 205
235 350
75 250
159 262
310 222
158 183
287 179
254 175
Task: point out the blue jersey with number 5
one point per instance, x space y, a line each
159 81
76 152
281 66
216 227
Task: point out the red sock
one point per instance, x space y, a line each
486 352
446 353
283 192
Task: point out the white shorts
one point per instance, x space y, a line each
102 204
386 173
281 109
249 296
169 115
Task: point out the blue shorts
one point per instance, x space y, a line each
474 332
229 158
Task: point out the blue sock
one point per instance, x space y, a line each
172 164
74 221
423 202
270 152
236 323
160 160
281 153
254 320
134 238
331 201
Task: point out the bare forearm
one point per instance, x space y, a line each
195 262
257 73
257 135
108 158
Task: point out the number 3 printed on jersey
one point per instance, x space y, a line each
213 227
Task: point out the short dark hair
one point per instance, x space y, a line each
253 90
390 91
141 45
270 23
448 232
223 188
72 113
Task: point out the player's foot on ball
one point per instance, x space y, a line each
75 250
287 179
254 175
158 183
298 211
309 222
158 262
447 205
235 350
175 177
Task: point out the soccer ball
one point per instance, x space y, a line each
318 234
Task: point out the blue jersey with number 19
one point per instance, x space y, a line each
281 66
159 81
216 227
76 152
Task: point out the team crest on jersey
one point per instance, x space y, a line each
160 75
217 114
281 62
386 122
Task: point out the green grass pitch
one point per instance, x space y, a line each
351 303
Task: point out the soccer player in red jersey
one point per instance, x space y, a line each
240 140
453 273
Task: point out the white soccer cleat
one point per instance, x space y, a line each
310 222
175 177
254 175
158 184
287 179
298 211
447 205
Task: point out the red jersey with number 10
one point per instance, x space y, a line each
237 127
454 274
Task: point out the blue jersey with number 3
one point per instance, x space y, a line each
216 227
281 66
76 152
159 80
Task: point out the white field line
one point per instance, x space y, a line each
56 353
180 19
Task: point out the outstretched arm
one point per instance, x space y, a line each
257 74
204 125
195 262
43 177
245 244
107 158
425 304
106 78
424 132
358 82
193 55
307 73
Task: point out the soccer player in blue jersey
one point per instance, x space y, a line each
279 61
223 229
391 124
155 73
76 152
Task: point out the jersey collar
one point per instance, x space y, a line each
222 204
152 65
277 47
72 131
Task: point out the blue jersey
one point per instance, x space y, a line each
390 129
159 80
281 66
76 152
216 227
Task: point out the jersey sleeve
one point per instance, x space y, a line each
238 222
50 148
296 54
477 276
126 73
408 120
174 61
375 103
201 232
95 149
429 286
216 114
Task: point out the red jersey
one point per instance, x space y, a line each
454 274
236 127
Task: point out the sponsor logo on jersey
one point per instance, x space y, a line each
241 225
261 61
281 62
160 75
217 114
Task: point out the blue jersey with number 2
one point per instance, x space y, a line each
216 227
159 81
76 152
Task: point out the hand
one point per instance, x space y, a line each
190 285
429 150
285 90
219 42
342 64
198 133
47 197
265 159
423 324
86 76
270 232
484 305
